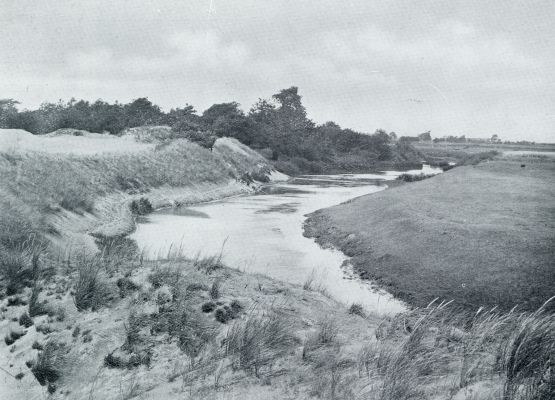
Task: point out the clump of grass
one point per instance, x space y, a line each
37 346
126 286
215 290
258 341
14 270
16 301
208 264
208 307
414 177
37 308
357 309
327 331
25 320
527 357
90 290
13 336
50 363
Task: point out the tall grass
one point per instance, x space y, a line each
90 290
259 340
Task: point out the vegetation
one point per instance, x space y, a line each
449 237
278 127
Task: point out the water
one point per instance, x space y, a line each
263 234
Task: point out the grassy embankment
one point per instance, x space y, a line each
113 326
482 234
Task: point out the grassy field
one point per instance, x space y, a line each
482 235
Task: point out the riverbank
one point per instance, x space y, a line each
111 325
481 235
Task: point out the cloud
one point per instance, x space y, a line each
476 67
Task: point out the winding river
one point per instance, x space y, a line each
263 234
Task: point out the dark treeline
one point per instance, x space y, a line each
278 127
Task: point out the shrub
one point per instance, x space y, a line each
90 290
12 336
208 307
37 346
25 320
143 206
222 315
50 363
19 376
16 301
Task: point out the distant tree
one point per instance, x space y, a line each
495 139
142 112
393 136
290 112
227 119
425 137
8 112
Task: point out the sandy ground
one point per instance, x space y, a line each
482 235
86 143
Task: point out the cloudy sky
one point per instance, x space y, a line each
453 67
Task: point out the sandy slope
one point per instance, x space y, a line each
18 141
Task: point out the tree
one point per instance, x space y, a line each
8 112
495 139
291 112
227 119
142 112
425 137
393 136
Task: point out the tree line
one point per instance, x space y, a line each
277 126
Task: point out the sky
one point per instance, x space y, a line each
473 68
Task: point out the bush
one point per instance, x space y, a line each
37 346
208 307
12 336
25 320
143 206
414 177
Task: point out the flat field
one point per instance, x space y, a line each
481 234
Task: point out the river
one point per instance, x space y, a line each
263 233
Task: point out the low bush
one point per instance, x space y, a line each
143 206
37 346
12 336
25 320
16 301
208 307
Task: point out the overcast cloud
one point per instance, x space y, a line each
471 67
